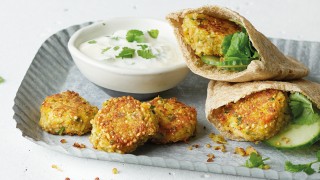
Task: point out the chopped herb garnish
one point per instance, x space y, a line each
126 53
92 42
143 46
135 35
1 80
116 48
239 120
146 53
302 167
60 132
115 38
256 160
105 50
154 33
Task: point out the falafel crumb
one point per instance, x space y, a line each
80 146
266 167
210 157
115 171
97 178
190 147
67 178
54 166
195 145
250 150
217 138
240 151
285 139
208 145
222 148
63 141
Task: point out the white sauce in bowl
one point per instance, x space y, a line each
106 48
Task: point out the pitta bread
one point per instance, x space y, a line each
222 93
272 65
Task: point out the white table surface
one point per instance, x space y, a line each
25 25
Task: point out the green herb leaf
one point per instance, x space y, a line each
154 33
1 80
255 160
299 167
302 109
60 132
126 53
105 50
116 48
135 35
92 42
237 51
147 54
143 46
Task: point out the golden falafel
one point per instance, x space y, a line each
177 121
66 113
255 117
122 125
205 34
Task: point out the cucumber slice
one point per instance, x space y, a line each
211 60
296 136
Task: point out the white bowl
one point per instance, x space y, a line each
127 80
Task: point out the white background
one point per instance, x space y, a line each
26 24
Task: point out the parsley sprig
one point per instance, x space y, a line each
145 52
302 167
153 33
255 160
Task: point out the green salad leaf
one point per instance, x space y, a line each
153 33
135 35
126 53
237 52
302 109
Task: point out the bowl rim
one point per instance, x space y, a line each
78 55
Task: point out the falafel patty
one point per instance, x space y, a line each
205 34
122 125
66 113
177 121
255 117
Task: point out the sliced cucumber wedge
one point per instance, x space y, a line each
296 136
211 60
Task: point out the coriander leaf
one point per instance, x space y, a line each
1 80
92 42
309 170
299 167
255 160
60 132
135 35
143 46
147 54
153 33
116 48
126 53
105 50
